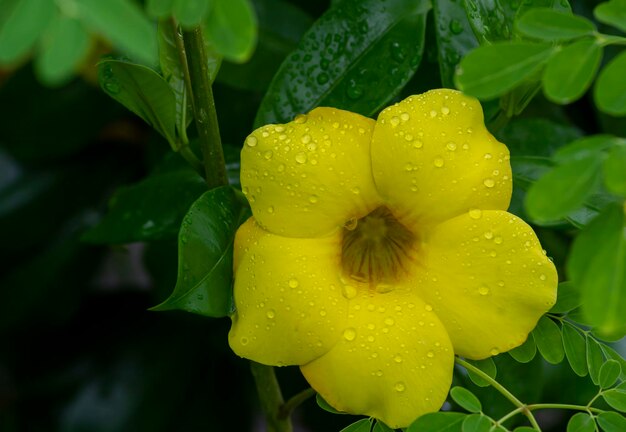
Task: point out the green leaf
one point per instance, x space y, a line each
381 427
585 147
536 136
149 210
568 298
205 254
159 8
611 422
563 189
454 37
614 170
612 13
492 70
600 272
610 90
575 349
569 72
487 366
466 399
190 13
581 422
380 42
526 351
232 29
612 354
22 27
144 92
525 429
609 373
438 422
595 359
490 20
325 405
123 23
62 48
549 341
476 423
616 398
363 425
550 25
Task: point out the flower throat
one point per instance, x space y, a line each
376 249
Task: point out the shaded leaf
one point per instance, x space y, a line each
612 354
569 72
568 298
205 257
159 8
612 13
325 405
548 338
585 147
610 90
615 170
581 422
490 20
609 373
190 13
22 27
526 351
438 422
611 422
595 359
232 29
379 42
492 70
363 425
551 25
616 398
466 399
381 427
575 347
476 423
487 366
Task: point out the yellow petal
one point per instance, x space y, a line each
394 361
488 280
434 159
289 306
308 177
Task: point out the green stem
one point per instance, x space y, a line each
523 408
294 402
271 398
204 109
191 158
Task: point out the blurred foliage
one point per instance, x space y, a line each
93 197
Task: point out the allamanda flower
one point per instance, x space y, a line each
379 249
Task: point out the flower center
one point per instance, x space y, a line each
377 249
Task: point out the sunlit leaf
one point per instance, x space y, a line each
466 399
581 422
609 373
476 423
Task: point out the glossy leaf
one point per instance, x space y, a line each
610 89
585 147
575 347
205 254
563 189
536 136
568 298
381 427
595 359
232 29
613 13
454 37
526 351
600 272
487 366
615 170
476 423
438 422
362 425
612 354
62 48
379 42
124 24
616 398
466 399
609 373
581 422
22 27
569 72
492 70
191 13
549 341
550 25
490 20
611 422
149 210
144 92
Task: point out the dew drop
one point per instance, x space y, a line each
445 110
483 290
301 157
398 358
389 321
488 182
433 113
395 121
455 26
351 224
408 137
251 141
268 154
281 168
306 139
475 213
438 162
430 354
270 209
293 283
451 146
495 351
488 235
244 341
417 144
270 314
322 78
348 291
399 386
488 156
349 334
497 240
542 277
428 307
300 119
404 116
313 199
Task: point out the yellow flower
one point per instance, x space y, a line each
379 249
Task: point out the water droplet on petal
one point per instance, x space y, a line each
251 141
349 334
270 314
306 139
428 307
313 199
475 213
268 154
348 291
293 283
489 182
488 235
495 351
451 146
438 162
483 290
301 157
398 358
430 354
399 386
300 119
395 121
404 116
445 110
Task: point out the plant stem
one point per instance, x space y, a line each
204 109
523 408
272 402
191 158
294 402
